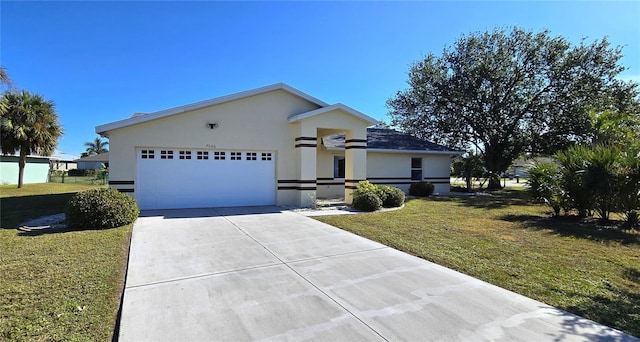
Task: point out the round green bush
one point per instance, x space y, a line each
101 208
391 197
421 189
366 201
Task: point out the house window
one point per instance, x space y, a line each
252 156
236 155
185 154
202 155
266 156
166 154
338 167
148 154
218 155
416 169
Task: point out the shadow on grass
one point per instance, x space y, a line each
619 311
493 200
16 210
572 226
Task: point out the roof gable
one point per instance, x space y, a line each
337 106
390 140
140 117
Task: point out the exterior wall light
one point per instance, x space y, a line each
212 125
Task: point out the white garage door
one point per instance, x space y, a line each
173 178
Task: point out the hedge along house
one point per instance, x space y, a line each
267 146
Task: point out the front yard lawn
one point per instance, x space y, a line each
507 241
57 286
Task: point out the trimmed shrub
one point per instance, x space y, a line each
421 189
101 208
391 197
367 201
366 197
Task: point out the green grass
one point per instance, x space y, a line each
57 286
582 268
34 200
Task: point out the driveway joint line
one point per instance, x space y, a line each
203 275
307 280
338 254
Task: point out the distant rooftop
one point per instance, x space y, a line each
102 157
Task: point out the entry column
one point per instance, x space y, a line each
306 146
355 151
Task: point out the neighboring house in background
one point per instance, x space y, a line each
521 166
95 162
36 169
63 165
273 145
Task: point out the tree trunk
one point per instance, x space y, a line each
494 182
467 176
22 161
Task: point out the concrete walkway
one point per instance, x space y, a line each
240 274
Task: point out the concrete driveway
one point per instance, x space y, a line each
239 274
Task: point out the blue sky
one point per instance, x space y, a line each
102 61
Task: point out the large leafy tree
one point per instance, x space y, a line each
28 124
508 92
96 146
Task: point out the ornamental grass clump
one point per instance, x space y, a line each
101 209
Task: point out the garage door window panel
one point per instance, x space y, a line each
185 154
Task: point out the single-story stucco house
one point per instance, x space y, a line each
95 162
36 170
273 145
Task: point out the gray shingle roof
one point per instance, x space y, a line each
102 157
388 139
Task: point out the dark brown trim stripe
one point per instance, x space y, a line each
306 145
116 182
307 138
296 181
355 141
350 187
392 178
126 190
355 148
331 183
354 180
300 188
324 178
437 178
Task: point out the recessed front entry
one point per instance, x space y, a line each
191 178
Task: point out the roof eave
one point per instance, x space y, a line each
337 106
103 129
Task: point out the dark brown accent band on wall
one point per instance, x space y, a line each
436 178
354 180
350 187
115 182
331 183
356 141
392 178
126 190
355 147
306 145
307 138
296 188
296 181
395 183
324 178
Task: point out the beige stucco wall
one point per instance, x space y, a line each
385 168
435 168
257 123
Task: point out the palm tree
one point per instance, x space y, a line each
29 124
96 146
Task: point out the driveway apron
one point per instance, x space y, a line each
260 273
